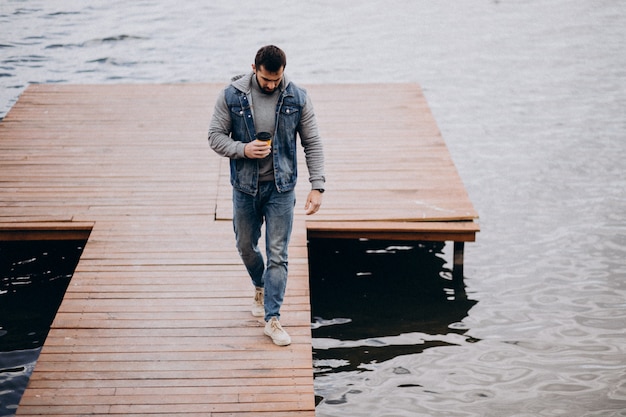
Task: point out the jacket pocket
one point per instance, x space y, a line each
238 124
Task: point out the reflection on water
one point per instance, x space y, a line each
33 278
372 301
15 370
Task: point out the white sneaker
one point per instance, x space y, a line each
258 308
274 330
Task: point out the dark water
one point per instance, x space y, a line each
33 278
530 97
372 301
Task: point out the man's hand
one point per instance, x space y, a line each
313 202
257 149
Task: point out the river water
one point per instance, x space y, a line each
530 97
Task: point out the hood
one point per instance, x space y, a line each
242 82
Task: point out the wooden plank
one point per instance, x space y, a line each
391 230
45 231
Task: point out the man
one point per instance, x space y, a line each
264 173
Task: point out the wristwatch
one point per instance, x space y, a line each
321 190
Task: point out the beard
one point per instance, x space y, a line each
265 90
268 91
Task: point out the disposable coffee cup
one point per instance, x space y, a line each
265 137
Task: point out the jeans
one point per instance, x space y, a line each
249 213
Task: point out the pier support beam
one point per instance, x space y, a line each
457 271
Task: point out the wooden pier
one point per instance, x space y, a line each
156 318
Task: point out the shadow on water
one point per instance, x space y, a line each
372 301
34 278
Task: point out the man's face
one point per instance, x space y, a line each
268 81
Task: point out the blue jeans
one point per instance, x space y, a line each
249 213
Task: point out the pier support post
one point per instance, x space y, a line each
457 271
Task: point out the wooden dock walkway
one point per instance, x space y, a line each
156 318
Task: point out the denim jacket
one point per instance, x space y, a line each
232 126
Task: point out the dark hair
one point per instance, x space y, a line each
271 57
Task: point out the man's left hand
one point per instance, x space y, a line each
313 202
